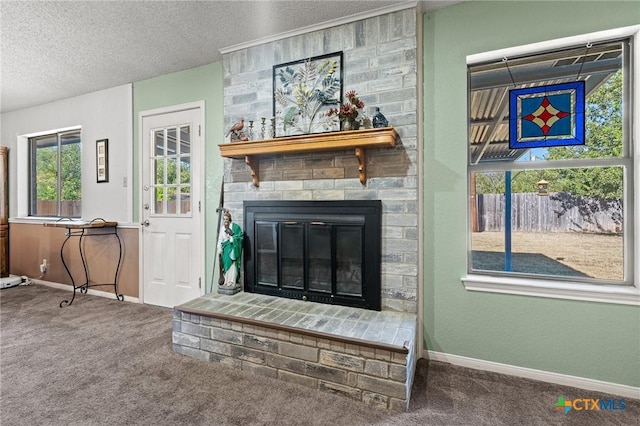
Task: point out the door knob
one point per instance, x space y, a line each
145 223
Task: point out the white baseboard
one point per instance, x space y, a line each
108 295
540 375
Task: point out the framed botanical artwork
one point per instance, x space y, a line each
102 160
303 92
545 116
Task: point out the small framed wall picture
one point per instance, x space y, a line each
102 160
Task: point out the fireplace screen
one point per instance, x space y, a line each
320 251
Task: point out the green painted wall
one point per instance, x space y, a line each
197 84
593 340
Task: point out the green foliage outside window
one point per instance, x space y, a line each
56 167
47 174
71 173
169 193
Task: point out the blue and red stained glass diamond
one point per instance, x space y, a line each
546 116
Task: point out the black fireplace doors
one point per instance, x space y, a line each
322 251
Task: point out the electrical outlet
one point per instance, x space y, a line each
43 268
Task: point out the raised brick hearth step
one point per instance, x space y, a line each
362 354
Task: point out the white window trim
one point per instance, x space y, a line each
575 290
625 295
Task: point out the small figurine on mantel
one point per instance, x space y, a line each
379 120
230 255
237 135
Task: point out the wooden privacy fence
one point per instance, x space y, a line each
49 208
531 212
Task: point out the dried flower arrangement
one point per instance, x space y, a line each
351 112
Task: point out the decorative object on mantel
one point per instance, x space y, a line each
230 245
251 129
303 92
236 132
359 140
351 113
379 120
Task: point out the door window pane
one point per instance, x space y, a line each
185 170
185 140
172 170
158 172
158 202
171 141
171 202
185 200
158 142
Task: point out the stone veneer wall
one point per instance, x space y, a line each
379 59
378 377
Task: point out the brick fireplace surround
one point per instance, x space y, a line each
362 354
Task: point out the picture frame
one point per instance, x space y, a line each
102 160
304 91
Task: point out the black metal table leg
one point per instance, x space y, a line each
68 234
115 279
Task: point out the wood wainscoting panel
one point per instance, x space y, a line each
4 211
29 244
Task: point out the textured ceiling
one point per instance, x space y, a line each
51 50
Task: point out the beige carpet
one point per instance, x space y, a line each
104 362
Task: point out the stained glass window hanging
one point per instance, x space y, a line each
544 116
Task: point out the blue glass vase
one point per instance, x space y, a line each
379 120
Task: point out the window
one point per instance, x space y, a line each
555 215
55 166
172 171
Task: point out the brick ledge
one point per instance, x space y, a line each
250 321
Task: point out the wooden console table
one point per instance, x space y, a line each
385 137
95 228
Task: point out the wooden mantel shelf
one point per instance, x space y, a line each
359 140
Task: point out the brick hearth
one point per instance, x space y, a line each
362 354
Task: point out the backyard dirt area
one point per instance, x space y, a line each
571 254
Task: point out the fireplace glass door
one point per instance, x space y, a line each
349 261
266 253
328 248
319 256
323 257
292 259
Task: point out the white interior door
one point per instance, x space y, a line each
172 234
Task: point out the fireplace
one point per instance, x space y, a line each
320 251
